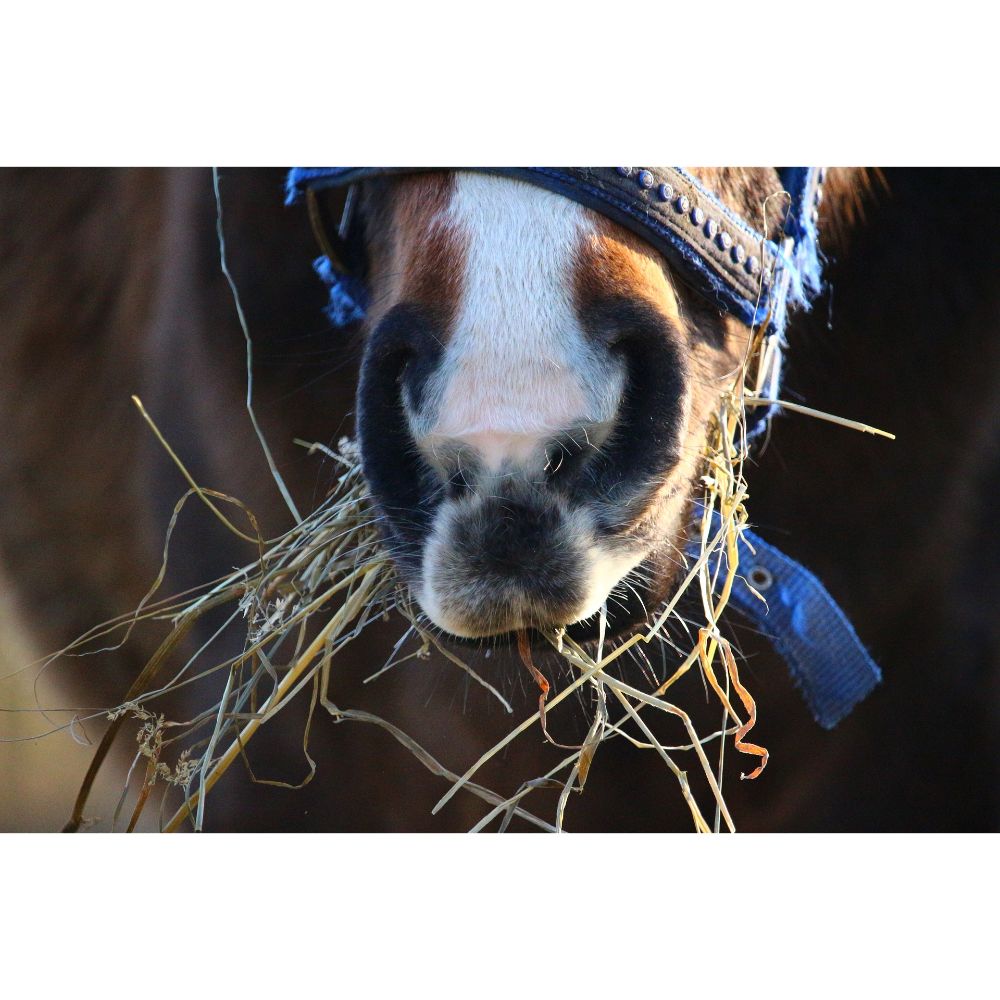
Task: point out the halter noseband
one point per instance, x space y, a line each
719 254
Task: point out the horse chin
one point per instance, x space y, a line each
486 575
501 564
628 610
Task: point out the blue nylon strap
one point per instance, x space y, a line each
831 668
679 224
348 295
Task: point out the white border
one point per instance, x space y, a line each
383 916
462 83
456 83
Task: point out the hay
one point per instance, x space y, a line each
315 589
329 576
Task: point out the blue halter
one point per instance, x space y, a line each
719 254
740 271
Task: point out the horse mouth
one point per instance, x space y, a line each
515 559
630 607
490 567
483 565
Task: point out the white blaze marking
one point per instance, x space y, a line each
518 368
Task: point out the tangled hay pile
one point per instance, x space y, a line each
316 588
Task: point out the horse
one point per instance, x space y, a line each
530 389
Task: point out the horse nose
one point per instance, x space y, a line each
520 418
542 456
502 562
489 449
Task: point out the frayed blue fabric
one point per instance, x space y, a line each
301 178
348 296
827 661
803 184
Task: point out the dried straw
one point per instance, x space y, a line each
315 589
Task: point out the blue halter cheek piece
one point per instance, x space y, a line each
804 624
740 271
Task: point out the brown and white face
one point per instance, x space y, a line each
535 394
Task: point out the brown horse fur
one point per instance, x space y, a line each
109 284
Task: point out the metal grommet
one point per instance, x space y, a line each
645 179
711 228
682 204
624 171
766 278
760 578
738 253
725 240
752 265
697 216
665 191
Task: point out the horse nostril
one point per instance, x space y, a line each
561 466
567 456
645 445
457 486
555 459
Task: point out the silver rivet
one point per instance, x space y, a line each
724 240
711 228
819 195
752 265
822 175
645 178
682 204
624 171
760 578
738 253
697 216
814 216
766 278
665 191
